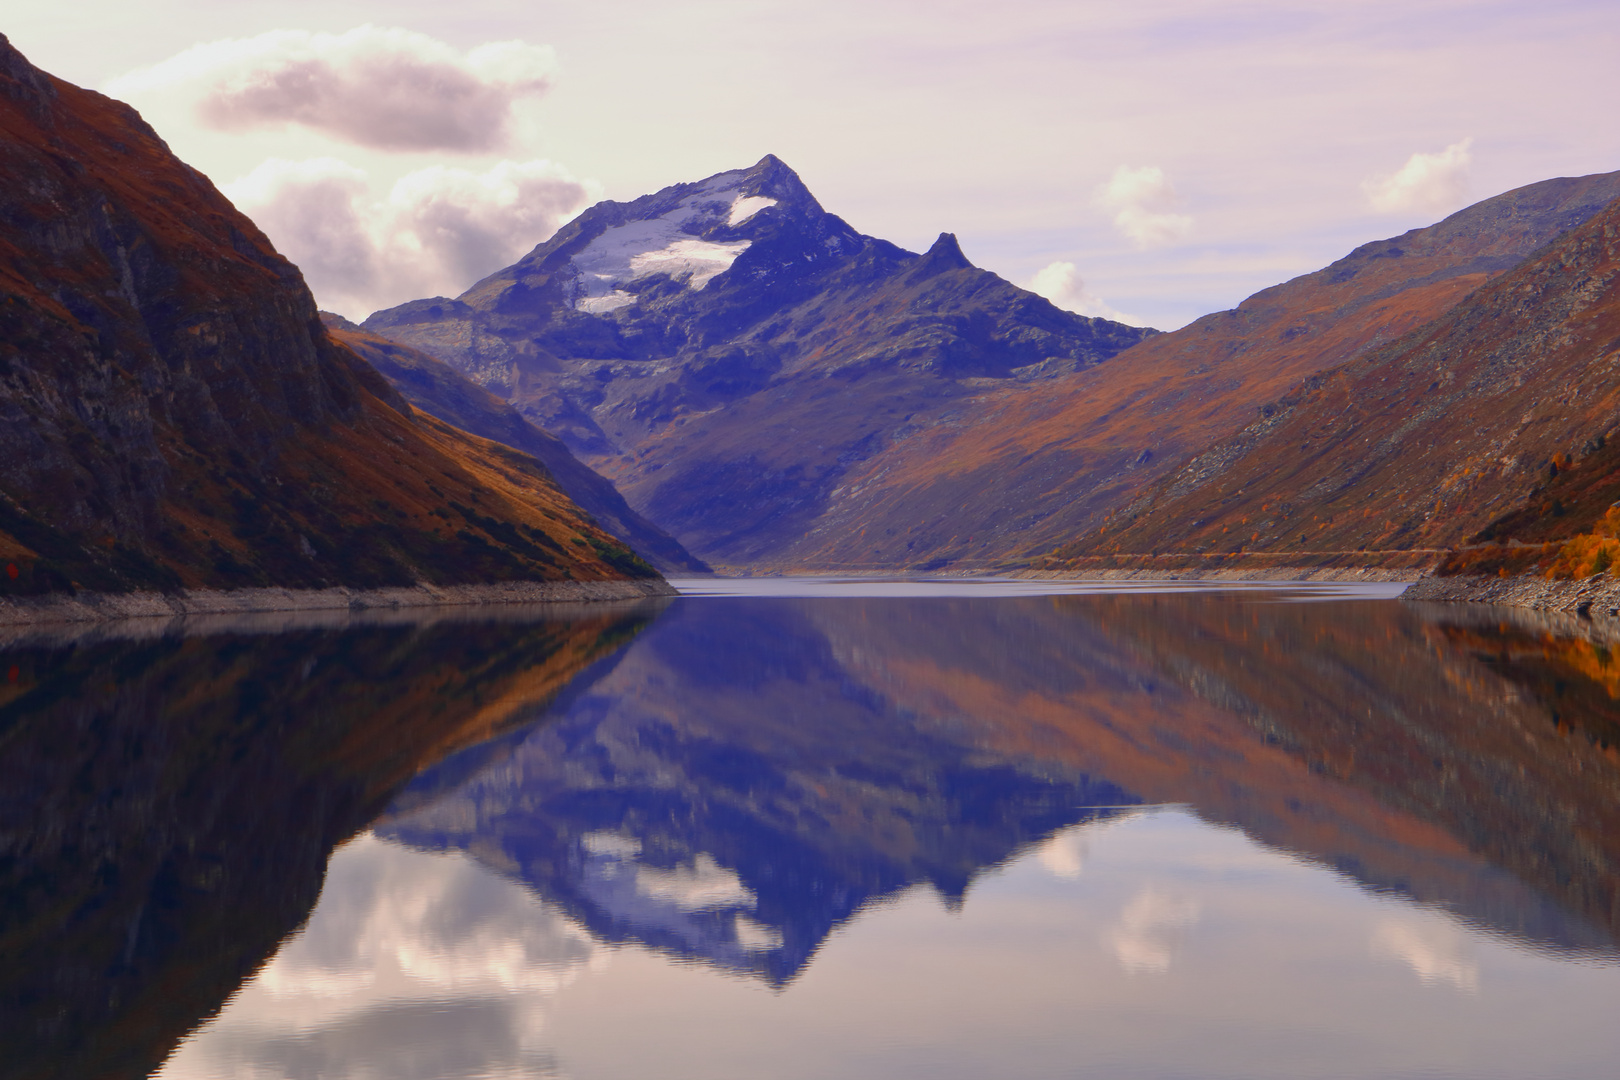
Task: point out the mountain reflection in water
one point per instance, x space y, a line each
767 790
756 771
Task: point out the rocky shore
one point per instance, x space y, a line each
1235 573
1598 595
95 607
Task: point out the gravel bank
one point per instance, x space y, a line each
1595 595
95 607
1251 573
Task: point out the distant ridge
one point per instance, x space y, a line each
436 388
1021 469
1421 443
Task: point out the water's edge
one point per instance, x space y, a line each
97 607
1589 596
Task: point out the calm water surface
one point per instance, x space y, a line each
819 828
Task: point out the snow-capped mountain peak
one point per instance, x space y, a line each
677 243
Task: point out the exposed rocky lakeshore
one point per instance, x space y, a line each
1592 596
1228 573
83 607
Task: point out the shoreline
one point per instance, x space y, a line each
1586 596
1254 573
107 607
1273 573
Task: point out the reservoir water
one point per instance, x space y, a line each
818 828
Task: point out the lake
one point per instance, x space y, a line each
818 828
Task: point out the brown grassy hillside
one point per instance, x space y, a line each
1423 443
173 414
1017 470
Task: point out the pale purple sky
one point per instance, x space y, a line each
1158 159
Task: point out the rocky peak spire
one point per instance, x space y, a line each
946 254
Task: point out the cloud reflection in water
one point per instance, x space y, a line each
413 965
1436 949
1151 930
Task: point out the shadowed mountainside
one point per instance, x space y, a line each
438 389
169 802
1421 443
173 414
728 353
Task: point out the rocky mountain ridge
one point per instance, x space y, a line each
860 426
728 351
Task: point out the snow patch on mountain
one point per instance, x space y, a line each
671 244
746 206
600 305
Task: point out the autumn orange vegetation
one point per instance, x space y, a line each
179 418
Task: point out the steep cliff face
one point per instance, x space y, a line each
172 412
1018 470
1424 442
728 352
437 389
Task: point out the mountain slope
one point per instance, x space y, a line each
173 414
1423 442
1019 470
434 387
727 351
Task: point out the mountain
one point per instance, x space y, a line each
436 388
173 414
1019 470
729 353
1423 442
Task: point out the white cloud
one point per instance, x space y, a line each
1427 182
435 233
1060 283
1144 201
387 89
411 963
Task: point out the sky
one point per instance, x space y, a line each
1151 161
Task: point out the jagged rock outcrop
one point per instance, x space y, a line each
729 353
173 414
